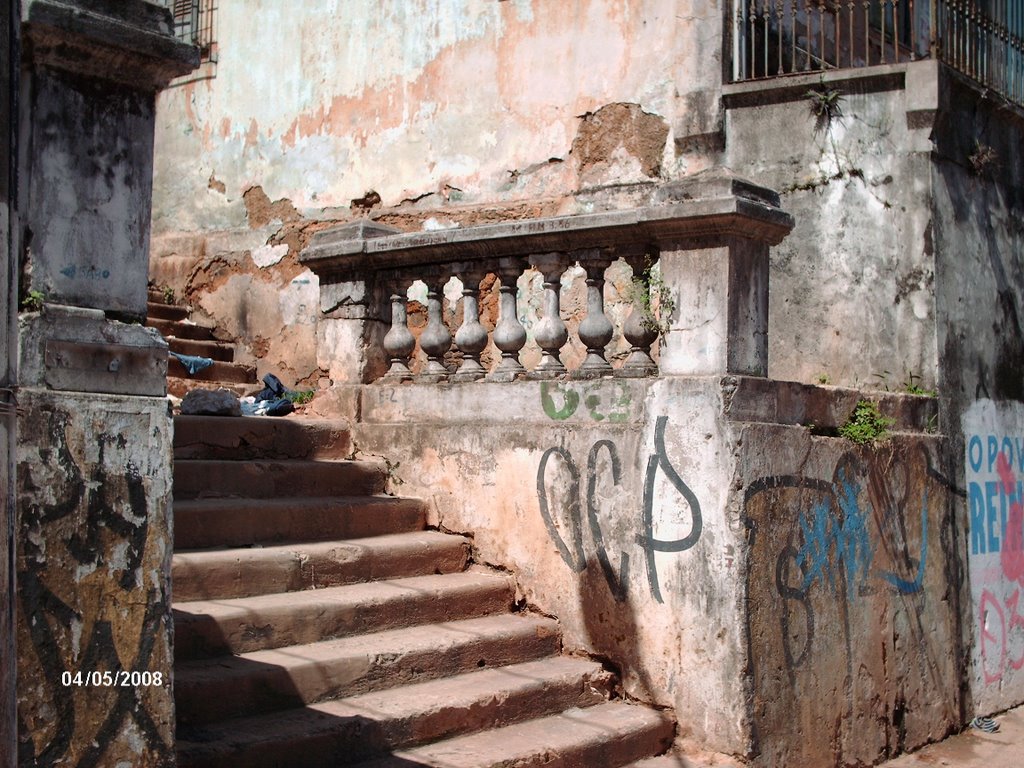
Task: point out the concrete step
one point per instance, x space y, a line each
209 628
217 689
603 736
258 437
230 373
202 523
228 573
157 309
262 478
179 386
337 732
180 329
215 350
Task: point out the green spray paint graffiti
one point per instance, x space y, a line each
603 401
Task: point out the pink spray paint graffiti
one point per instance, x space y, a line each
999 619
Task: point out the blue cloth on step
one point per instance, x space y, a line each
192 363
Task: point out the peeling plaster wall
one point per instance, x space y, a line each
851 299
564 494
852 593
93 573
421 115
798 601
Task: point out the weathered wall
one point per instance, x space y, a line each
570 495
978 191
84 243
93 570
851 299
994 461
93 530
789 595
8 357
421 115
851 589
978 233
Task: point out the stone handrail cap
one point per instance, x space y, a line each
708 205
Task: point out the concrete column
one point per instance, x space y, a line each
93 528
720 321
8 271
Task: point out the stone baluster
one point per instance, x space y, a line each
509 334
550 333
436 339
399 342
596 329
471 338
638 329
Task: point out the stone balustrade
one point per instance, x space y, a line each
709 234
509 335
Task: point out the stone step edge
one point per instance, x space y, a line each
380 721
601 735
210 628
387 659
241 522
236 572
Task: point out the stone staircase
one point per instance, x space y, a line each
318 622
188 338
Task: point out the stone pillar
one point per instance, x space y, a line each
720 321
93 625
716 274
8 281
357 310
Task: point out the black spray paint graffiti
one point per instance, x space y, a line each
573 553
842 529
49 618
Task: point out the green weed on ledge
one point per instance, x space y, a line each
866 425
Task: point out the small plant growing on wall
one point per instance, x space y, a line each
826 106
653 299
982 158
32 301
912 386
866 425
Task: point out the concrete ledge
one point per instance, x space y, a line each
774 90
614 401
713 205
74 349
129 41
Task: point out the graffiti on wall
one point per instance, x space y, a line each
92 623
602 400
570 511
995 501
848 595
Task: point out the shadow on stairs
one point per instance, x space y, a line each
318 622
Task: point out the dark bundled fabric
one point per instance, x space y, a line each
272 400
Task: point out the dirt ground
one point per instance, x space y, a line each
974 748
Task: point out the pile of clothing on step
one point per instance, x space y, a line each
272 400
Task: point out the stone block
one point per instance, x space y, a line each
211 402
76 349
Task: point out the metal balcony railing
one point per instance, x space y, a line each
194 23
983 39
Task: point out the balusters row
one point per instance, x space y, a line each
983 40
551 334
781 37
